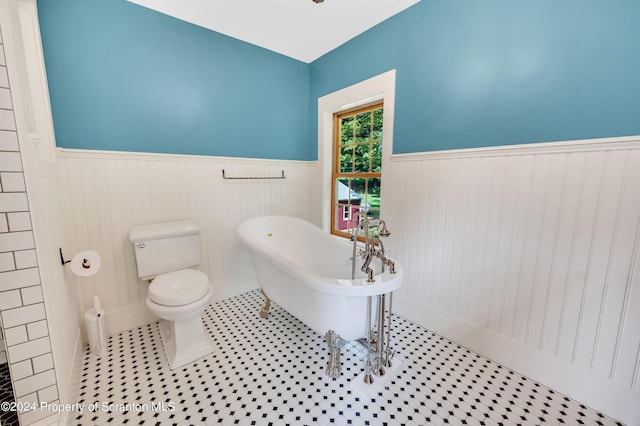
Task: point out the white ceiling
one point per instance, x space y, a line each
300 29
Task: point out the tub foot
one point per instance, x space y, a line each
267 304
335 342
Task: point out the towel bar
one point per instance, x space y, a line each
253 177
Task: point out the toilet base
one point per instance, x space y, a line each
184 341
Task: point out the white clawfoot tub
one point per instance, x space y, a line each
307 272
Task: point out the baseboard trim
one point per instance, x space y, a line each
594 391
127 318
76 368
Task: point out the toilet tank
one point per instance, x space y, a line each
165 247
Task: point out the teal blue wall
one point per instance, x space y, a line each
498 72
469 73
122 77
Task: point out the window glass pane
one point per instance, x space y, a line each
346 130
371 195
363 126
339 224
345 192
376 157
346 159
345 219
373 213
358 185
362 158
377 124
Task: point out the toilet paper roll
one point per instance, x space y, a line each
85 263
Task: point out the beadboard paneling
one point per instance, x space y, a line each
540 249
107 193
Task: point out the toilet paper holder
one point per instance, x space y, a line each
62 261
85 263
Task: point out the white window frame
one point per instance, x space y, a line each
381 87
346 214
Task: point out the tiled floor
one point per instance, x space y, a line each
7 417
271 371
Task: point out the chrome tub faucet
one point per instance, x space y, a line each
371 242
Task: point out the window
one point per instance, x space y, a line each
375 90
357 167
346 214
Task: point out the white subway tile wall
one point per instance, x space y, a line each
10 161
34 383
16 334
10 299
19 278
25 259
12 182
4 225
7 122
8 141
5 99
26 333
37 330
31 295
22 369
4 78
13 202
49 394
6 260
31 398
42 363
20 221
28 350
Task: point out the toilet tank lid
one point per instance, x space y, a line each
157 231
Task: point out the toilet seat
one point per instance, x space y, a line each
179 288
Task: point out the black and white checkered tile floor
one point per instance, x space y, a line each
271 371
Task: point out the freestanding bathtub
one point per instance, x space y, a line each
307 272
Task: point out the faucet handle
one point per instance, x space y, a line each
370 278
383 232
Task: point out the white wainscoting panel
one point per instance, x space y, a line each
107 193
532 258
539 251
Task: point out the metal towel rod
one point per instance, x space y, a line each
254 177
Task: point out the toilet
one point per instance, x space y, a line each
167 253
